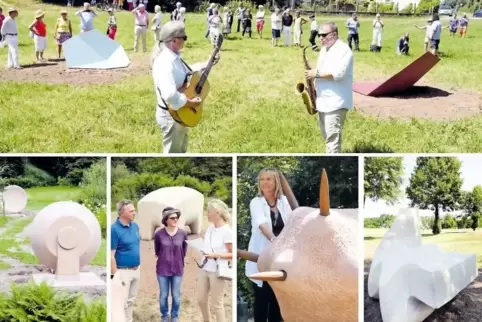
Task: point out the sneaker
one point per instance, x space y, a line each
165 320
18 67
175 320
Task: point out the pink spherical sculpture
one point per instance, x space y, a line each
67 226
15 199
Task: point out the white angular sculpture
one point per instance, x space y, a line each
312 266
189 201
94 50
412 280
65 236
15 199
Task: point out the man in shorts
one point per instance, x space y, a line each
275 27
435 33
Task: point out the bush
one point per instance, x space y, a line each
449 222
222 189
134 187
76 176
118 172
33 177
32 303
188 181
61 181
371 223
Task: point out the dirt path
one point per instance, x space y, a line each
466 306
147 302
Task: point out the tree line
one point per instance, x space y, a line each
133 178
435 184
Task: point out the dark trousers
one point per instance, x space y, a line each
353 37
266 308
313 35
239 25
246 29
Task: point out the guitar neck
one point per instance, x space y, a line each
206 72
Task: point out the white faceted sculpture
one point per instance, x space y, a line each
15 199
65 236
188 200
412 280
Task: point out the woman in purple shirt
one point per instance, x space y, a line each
170 244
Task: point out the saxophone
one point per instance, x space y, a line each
307 92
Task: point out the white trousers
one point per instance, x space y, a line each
331 126
377 37
174 135
12 58
287 35
40 43
157 34
297 37
125 287
140 32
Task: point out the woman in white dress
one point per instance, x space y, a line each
297 29
215 22
377 32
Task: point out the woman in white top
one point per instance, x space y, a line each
157 22
377 32
260 21
269 213
215 22
217 249
299 20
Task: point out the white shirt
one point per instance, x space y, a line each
275 21
86 20
169 74
215 240
437 29
337 93
377 25
157 21
141 18
260 214
9 27
260 16
214 24
428 32
314 25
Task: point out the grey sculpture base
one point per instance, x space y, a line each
83 279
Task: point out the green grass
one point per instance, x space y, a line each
4 220
40 197
464 241
252 106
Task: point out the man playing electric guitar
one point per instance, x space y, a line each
170 75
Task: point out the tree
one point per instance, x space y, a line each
472 206
383 177
435 183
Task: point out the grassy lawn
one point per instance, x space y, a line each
464 241
252 106
40 197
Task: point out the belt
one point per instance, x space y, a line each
130 268
11 34
142 25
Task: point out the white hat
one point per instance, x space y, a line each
12 9
171 30
39 14
178 4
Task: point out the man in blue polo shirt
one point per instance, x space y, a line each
125 254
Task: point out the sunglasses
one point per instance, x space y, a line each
183 38
173 218
323 35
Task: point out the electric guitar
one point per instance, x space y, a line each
197 85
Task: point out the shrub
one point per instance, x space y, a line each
31 302
33 177
222 189
118 172
449 222
62 181
94 185
191 182
134 187
76 176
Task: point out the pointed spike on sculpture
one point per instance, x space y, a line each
247 256
324 195
269 276
401 81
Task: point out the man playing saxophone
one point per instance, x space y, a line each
334 85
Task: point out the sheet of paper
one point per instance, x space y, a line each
196 244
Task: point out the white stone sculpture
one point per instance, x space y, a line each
312 266
65 236
411 280
15 199
188 200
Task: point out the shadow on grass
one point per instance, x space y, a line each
445 233
365 147
371 238
36 65
56 59
416 92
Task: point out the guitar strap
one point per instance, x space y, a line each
185 81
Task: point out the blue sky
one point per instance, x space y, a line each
471 173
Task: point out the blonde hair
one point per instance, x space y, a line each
278 191
157 8
221 208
